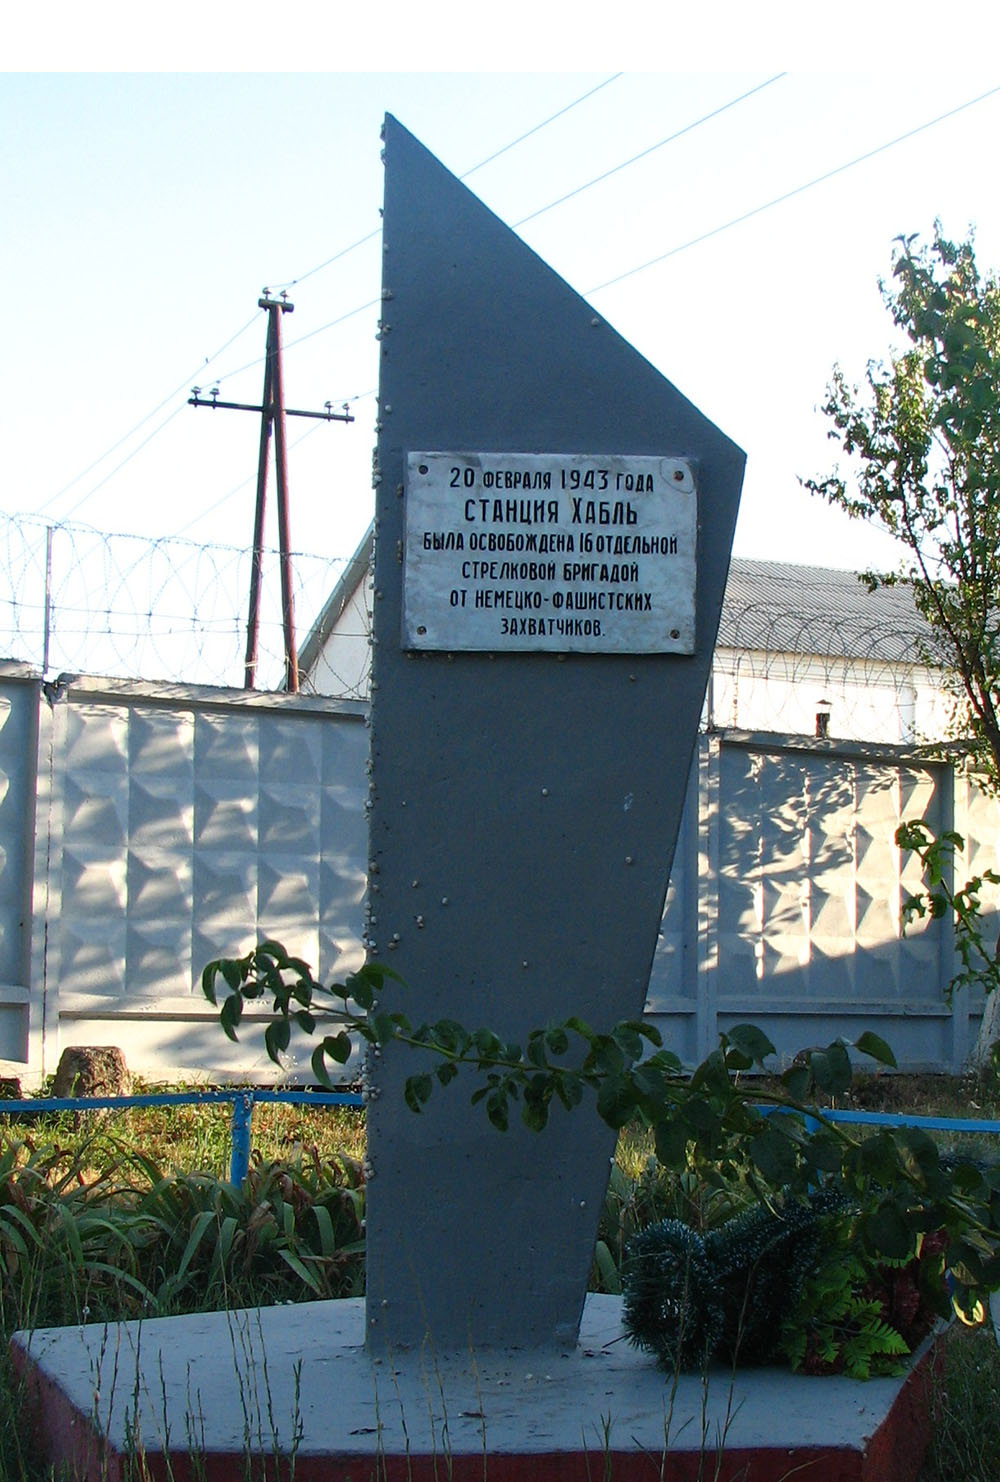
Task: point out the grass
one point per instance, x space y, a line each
966 1441
192 1137
183 1241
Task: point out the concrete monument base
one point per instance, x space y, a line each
227 1396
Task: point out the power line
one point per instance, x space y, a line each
541 210
343 252
127 459
370 236
797 191
141 423
608 283
544 124
651 150
238 488
310 334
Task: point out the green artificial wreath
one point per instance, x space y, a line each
671 1302
785 1282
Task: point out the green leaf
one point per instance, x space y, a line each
201 1224
616 1101
751 1041
822 1152
418 1091
607 1270
535 1113
230 1014
671 1138
797 1080
383 1028
361 989
841 1070
487 1044
700 1114
297 1265
871 1044
276 1038
888 1232
208 976
497 1110
581 1027
338 1047
569 1089
648 1082
536 1049
234 972
628 1039
318 1062
774 1155
327 1238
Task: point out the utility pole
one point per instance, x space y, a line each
272 418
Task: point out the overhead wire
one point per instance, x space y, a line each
544 124
608 283
797 191
370 236
679 134
142 422
237 488
372 303
127 459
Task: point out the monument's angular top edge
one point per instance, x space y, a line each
427 194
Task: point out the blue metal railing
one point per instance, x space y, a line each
243 1102
244 1099
904 1119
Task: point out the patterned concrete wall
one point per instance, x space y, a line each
145 829
19 695
190 825
800 901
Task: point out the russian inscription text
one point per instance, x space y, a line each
479 527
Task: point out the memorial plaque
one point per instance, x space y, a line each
568 553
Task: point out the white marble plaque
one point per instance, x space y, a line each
567 552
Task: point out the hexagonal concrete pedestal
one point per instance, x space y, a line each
225 1396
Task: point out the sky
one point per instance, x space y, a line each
145 210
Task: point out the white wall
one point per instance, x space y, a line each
145 829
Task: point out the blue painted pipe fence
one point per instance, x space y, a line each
245 1099
243 1102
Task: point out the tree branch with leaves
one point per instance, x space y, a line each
729 1124
924 446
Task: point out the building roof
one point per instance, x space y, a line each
780 607
348 582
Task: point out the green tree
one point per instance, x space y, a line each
924 444
925 449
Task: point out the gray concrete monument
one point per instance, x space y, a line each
553 529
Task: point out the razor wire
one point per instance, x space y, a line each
794 642
76 600
803 650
